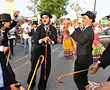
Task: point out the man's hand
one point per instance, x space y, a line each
94 68
75 23
13 87
49 41
16 13
22 88
45 39
5 49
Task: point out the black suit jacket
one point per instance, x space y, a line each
32 31
105 58
41 33
84 41
5 37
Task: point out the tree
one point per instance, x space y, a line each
33 6
55 7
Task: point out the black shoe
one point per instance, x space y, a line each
41 88
32 88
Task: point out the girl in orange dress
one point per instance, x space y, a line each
69 44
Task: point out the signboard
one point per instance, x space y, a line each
104 21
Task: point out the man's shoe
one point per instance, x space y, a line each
41 89
32 88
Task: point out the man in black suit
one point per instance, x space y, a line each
45 34
84 38
5 28
34 28
7 76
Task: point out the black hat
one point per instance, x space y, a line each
46 13
5 17
35 22
90 14
108 16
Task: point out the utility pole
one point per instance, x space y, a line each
95 5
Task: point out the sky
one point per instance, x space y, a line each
18 5
102 7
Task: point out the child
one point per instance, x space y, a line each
68 44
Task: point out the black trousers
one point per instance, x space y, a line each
81 79
11 46
8 74
34 58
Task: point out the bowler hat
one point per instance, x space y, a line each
90 14
5 17
108 16
35 22
46 13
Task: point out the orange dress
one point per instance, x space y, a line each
69 45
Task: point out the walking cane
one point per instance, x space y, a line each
45 62
47 33
35 70
8 58
69 74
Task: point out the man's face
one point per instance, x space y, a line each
86 20
29 22
7 24
34 26
45 19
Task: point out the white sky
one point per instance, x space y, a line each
102 7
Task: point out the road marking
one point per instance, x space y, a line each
61 54
21 66
21 58
28 62
55 48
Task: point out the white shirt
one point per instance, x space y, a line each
46 29
1 77
26 28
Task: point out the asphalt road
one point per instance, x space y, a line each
60 65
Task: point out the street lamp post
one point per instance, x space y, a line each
95 5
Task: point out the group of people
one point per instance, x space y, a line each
89 49
45 35
42 37
86 38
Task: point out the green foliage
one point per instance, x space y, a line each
56 7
